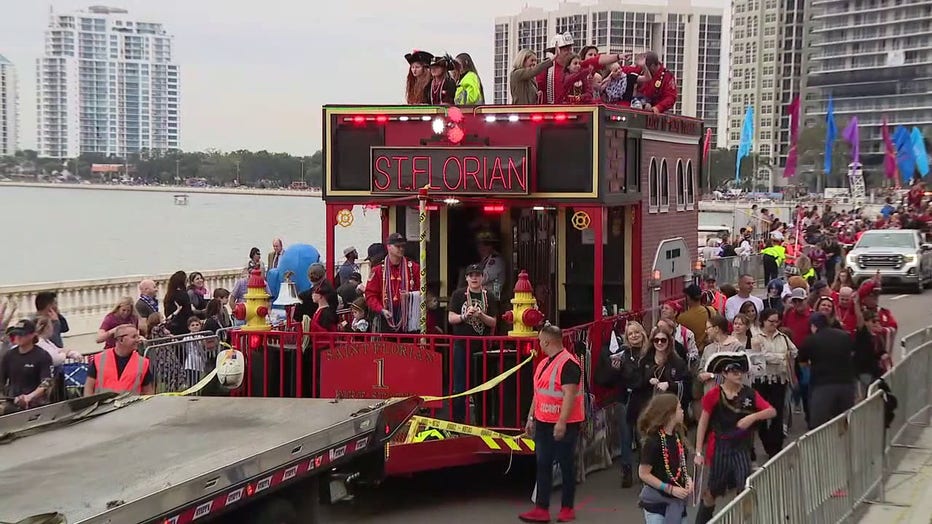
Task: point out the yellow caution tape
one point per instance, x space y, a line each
489 384
492 439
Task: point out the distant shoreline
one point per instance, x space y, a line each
170 189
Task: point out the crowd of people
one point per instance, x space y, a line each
562 77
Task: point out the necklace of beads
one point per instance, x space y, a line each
679 478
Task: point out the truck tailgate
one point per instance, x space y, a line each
143 449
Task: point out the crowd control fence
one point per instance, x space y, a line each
178 363
828 472
726 270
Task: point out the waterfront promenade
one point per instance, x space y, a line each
170 189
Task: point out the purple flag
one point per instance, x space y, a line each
851 135
792 156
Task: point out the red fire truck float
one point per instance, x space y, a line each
581 197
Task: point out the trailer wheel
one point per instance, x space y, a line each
275 511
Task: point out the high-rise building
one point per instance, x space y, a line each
107 85
766 64
9 108
874 58
687 38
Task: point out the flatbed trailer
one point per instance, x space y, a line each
173 460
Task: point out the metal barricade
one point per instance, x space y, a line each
740 510
866 464
777 488
824 451
181 363
727 270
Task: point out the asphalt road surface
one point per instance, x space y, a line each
486 495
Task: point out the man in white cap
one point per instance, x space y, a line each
349 265
550 82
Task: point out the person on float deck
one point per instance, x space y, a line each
120 368
551 81
729 412
418 77
522 81
557 411
389 285
660 91
469 90
471 314
441 89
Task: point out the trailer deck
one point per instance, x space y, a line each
157 456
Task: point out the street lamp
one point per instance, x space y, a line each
302 170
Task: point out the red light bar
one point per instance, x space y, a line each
359 119
381 119
498 208
560 117
537 118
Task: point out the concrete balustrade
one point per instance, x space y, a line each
85 302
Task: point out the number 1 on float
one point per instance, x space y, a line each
379 374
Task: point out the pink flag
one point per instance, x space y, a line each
708 144
889 157
792 156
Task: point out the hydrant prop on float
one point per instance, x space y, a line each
525 316
256 307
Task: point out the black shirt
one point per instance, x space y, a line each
121 365
829 353
327 319
22 373
652 455
178 324
474 327
867 352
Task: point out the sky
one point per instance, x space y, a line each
254 74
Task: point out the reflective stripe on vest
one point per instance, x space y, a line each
548 398
109 379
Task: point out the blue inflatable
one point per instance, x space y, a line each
297 259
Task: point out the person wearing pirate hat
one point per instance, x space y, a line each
418 76
725 435
441 89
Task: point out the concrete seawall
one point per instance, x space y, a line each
170 189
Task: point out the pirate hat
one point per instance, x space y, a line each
729 361
421 57
445 61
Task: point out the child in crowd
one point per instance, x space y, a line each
663 468
577 82
195 360
360 323
729 413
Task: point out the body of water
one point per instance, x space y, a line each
58 234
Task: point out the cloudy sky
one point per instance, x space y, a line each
255 73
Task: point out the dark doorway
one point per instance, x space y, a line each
534 249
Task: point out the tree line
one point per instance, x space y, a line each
250 168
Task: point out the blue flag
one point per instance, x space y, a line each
831 133
905 154
919 152
747 139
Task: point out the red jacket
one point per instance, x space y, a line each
661 90
558 87
376 297
798 324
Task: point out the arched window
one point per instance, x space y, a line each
664 186
690 184
680 185
653 186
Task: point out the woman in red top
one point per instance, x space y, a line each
325 318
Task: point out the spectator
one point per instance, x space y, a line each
148 302
349 265
681 334
469 90
661 90
776 353
240 287
710 284
663 470
223 296
25 371
843 279
122 313
44 329
667 372
120 368
316 273
741 330
776 289
750 311
719 341
177 300
47 306
276 255
696 315
522 81
195 354
846 312
871 358
360 312
442 88
197 294
215 318
156 327
325 316
418 77
745 288
255 260
773 256
829 353
711 249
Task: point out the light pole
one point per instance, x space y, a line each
177 170
302 170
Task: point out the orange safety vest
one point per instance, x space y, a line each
131 378
548 394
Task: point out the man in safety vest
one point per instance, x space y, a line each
557 411
120 368
774 256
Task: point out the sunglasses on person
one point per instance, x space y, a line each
661 340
